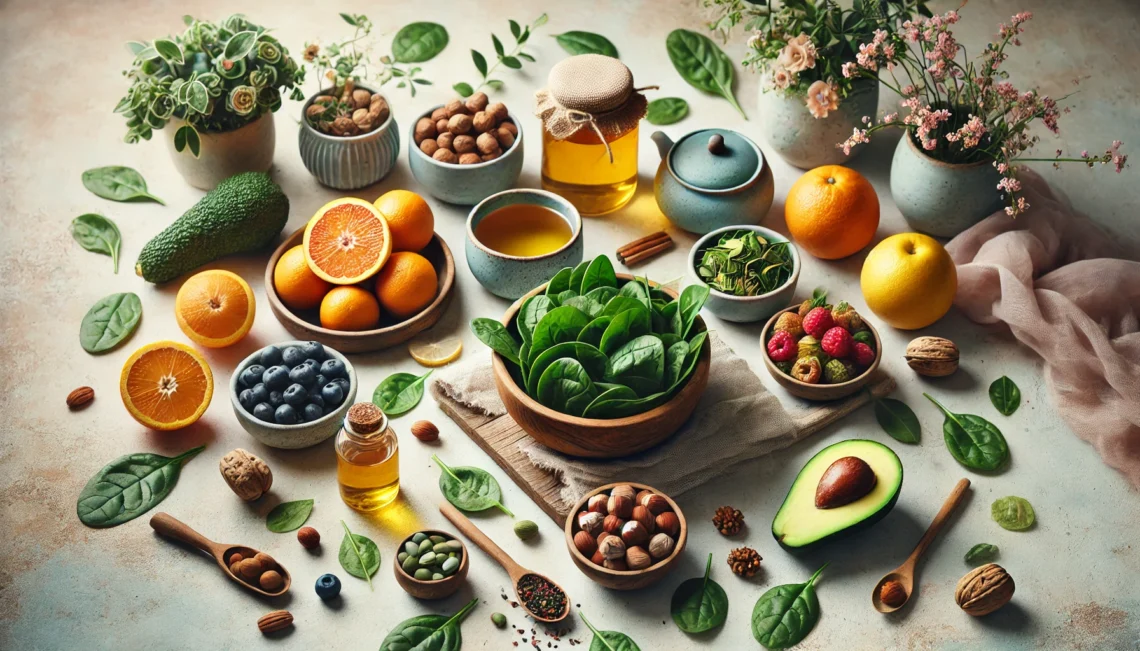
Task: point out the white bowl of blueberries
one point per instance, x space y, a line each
293 394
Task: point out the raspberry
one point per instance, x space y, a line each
818 321
836 342
864 356
781 347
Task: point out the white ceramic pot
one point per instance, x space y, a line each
245 149
806 141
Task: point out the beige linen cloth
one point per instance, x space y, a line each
1069 292
736 420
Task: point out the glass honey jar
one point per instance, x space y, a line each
367 459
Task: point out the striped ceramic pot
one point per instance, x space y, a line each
349 163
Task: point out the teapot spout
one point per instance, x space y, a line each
663 142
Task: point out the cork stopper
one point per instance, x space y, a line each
365 418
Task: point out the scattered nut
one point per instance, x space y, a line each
445 156
585 543
598 504
984 590
728 520
744 561
309 537
428 146
80 397
661 545
271 581
499 620
892 594
637 558
526 529
246 475
275 621
932 356
425 431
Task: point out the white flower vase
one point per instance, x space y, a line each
806 141
245 149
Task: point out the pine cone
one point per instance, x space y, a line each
744 561
728 520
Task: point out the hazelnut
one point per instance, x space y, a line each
428 146
621 506
267 562
641 495
483 122
505 138
324 100
585 543
499 111
236 558
892 594
510 126
612 524
309 537
363 119
648 520
275 621
235 569
425 431
247 475
633 534
314 110
441 125
487 144
344 126
470 159
445 156
591 522
439 114
361 98
597 558
597 504
618 565
271 581
477 102
624 489
490 157
378 110
669 523
612 548
656 504
425 128
445 140
455 107
602 536
463 144
459 124
661 545
637 558
249 569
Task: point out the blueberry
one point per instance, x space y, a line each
270 356
276 399
247 400
303 374
286 415
313 364
342 383
333 368
319 384
263 411
251 375
312 412
332 394
292 356
260 393
316 399
276 378
314 349
296 395
328 587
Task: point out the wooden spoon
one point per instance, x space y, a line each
167 525
514 570
904 573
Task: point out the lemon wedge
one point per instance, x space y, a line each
434 353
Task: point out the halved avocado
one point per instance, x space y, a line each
799 524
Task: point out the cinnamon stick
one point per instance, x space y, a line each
641 256
654 238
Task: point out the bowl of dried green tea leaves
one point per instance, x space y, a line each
751 271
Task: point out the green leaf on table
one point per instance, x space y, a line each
1005 395
128 487
1013 513
699 604
98 234
496 336
981 553
666 110
470 489
898 420
399 393
428 632
784 615
702 64
608 640
578 42
109 322
974 441
418 42
118 183
288 516
358 555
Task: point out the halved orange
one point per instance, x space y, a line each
215 308
166 385
347 241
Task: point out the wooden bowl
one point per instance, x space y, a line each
595 437
818 392
306 324
632 579
440 589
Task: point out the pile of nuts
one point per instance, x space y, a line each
466 133
348 111
627 530
258 569
430 557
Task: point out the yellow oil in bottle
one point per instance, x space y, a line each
367 462
579 169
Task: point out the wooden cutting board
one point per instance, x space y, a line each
499 436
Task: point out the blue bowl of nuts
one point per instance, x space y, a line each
293 394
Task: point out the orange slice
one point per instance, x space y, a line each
347 241
215 308
166 385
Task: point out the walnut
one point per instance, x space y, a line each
932 356
477 102
439 114
492 156
498 110
459 123
984 590
483 122
445 156
445 140
488 145
428 146
425 129
455 107
362 119
441 125
361 98
469 159
379 110
247 475
505 137
510 126
344 126
463 144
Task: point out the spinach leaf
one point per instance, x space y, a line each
1013 513
637 290
785 614
524 359
128 487
592 333
609 392
562 297
675 361
118 183
497 338
897 419
428 632
666 110
623 328
109 322
418 42
981 553
565 386
622 303
559 325
470 489
600 273
702 64
98 234
577 275
671 322
591 359
358 555
639 364
691 360
610 408
601 294
1005 395
586 43
560 282
288 516
608 640
589 306
531 312
699 604
399 393
974 441
689 305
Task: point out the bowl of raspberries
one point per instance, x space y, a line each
820 351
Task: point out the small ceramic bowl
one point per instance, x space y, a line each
511 276
465 184
630 579
353 162
746 309
301 435
440 589
818 392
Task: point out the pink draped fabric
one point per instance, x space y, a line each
1072 294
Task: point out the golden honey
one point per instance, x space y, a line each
579 169
367 463
524 230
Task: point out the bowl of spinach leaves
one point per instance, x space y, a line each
599 364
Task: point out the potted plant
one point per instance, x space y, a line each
217 86
799 47
966 127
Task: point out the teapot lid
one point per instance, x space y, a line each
715 159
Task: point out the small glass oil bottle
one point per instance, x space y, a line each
367 459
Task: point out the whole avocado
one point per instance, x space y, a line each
246 212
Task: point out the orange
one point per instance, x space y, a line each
166 385
349 308
832 212
296 284
407 284
409 217
215 308
909 280
347 241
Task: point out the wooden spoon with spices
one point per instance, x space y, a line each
540 597
171 527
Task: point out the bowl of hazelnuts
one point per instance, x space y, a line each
466 150
626 536
348 137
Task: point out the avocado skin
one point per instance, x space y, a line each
246 212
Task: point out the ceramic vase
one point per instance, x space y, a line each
353 162
245 149
806 141
942 199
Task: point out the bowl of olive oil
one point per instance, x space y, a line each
516 239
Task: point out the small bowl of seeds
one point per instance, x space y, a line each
430 564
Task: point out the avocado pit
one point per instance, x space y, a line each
844 481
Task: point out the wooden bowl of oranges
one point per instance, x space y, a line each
362 276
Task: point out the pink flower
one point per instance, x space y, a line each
781 78
798 55
850 69
821 99
858 136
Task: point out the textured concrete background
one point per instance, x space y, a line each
65 586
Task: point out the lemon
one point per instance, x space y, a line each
909 280
434 353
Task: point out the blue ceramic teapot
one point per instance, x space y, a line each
712 178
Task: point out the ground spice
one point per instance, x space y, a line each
541 597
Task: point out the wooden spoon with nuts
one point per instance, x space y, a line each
167 525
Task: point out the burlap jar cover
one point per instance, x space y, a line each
590 91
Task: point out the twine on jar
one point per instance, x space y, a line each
581 118
562 122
